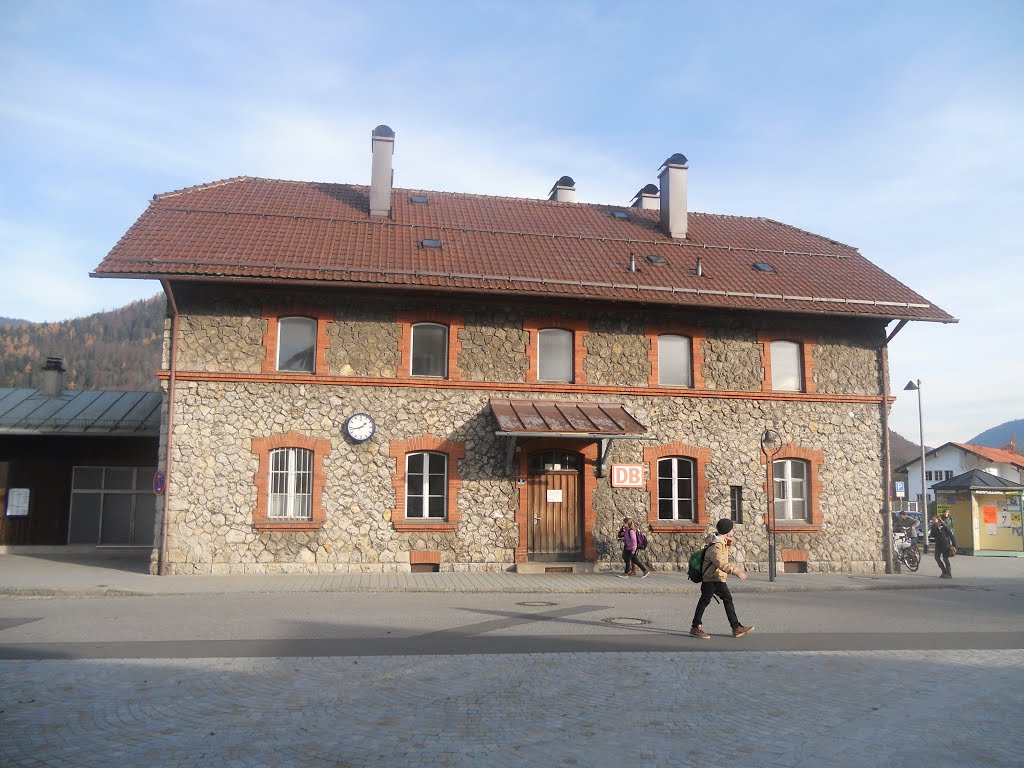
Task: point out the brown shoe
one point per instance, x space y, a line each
698 631
741 631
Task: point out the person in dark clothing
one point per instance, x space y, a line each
945 545
716 567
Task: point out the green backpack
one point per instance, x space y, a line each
696 570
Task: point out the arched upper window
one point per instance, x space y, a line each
554 350
675 488
296 344
787 366
429 350
675 367
790 488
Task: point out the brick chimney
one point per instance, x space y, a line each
53 377
564 190
672 176
382 174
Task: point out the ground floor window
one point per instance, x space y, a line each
675 488
112 506
426 485
790 476
291 483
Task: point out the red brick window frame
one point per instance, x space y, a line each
814 461
399 449
272 314
696 336
534 325
262 446
407 320
806 343
700 458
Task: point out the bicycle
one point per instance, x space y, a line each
906 550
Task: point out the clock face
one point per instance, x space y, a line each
360 427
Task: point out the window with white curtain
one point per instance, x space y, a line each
675 360
787 366
296 344
554 350
429 350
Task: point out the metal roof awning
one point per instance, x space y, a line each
80 412
594 422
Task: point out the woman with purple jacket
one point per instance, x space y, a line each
629 549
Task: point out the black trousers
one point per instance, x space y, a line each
631 558
942 558
708 589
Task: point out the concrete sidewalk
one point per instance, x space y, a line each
53 572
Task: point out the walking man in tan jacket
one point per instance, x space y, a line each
716 568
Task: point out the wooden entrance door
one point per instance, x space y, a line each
555 519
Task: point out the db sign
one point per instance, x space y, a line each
627 476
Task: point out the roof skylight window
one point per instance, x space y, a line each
620 215
656 258
764 266
418 199
430 243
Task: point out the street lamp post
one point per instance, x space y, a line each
771 444
916 387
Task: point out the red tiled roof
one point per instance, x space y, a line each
995 455
285 231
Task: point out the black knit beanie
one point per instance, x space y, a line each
723 526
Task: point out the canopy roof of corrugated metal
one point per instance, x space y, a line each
79 412
547 418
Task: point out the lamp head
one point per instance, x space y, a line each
911 386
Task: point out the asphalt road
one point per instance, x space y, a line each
901 677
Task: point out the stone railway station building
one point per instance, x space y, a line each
367 378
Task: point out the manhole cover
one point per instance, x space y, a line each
536 604
625 621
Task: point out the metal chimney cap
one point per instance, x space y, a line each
677 159
565 181
54 364
383 132
650 189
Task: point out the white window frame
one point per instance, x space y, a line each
283 326
669 360
425 496
545 363
295 500
785 483
675 498
780 351
443 351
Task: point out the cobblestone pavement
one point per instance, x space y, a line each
816 709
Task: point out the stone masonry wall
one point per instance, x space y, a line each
212 490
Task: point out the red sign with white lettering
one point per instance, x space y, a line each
627 475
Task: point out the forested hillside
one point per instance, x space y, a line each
119 349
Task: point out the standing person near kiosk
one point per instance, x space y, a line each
945 545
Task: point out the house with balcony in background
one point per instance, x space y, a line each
365 378
950 460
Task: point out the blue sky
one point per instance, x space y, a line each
896 127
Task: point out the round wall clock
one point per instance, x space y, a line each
360 427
